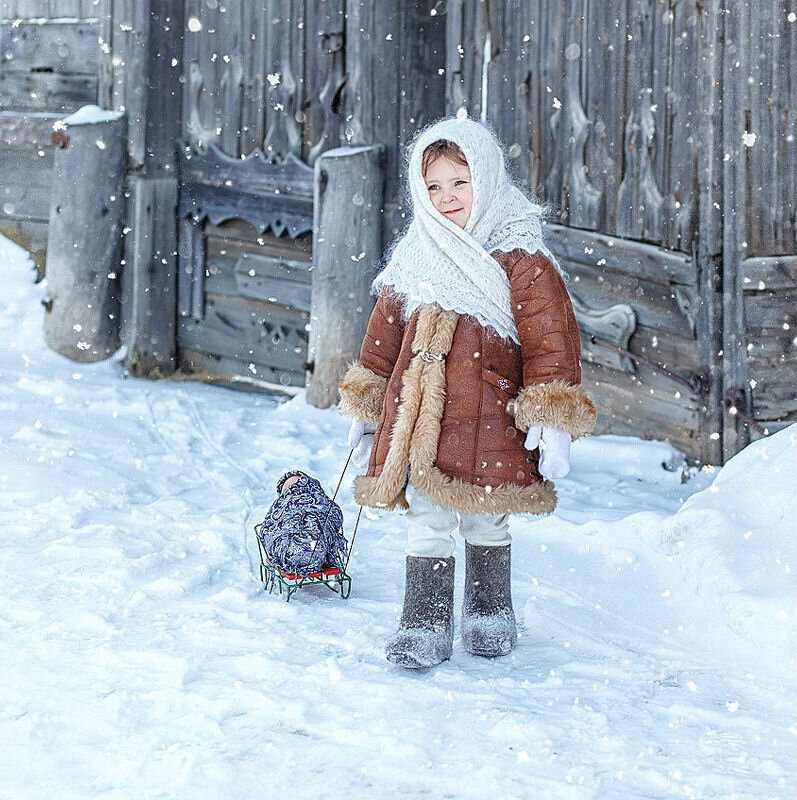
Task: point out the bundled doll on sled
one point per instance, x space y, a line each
302 533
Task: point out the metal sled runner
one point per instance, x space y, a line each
271 575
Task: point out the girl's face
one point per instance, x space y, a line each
450 189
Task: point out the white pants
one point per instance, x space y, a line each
430 528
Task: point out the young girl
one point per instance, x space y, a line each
467 393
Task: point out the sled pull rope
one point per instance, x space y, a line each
359 513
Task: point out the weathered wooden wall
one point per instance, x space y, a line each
281 83
629 118
662 134
49 66
760 232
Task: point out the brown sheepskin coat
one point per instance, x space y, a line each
453 401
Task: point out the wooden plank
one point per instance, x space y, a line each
191 266
773 272
29 234
235 374
709 262
145 82
605 79
149 277
64 47
29 129
680 121
645 404
771 310
221 279
253 103
774 396
264 194
657 306
262 277
772 346
249 331
230 75
45 91
642 260
324 48
373 88
754 115
25 182
735 69
236 236
105 66
422 57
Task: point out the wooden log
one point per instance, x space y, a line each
347 224
150 280
86 210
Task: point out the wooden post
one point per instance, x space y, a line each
349 191
147 38
84 235
709 245
735 60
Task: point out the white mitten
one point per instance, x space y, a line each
361 439
554 444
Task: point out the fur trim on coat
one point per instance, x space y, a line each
362 393
556 404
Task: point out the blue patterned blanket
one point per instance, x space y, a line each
302 532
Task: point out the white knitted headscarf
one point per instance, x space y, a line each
436 261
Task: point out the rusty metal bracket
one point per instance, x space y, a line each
697 382
733 401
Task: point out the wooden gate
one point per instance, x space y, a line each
259 106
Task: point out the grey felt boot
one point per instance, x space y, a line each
488 620
426 631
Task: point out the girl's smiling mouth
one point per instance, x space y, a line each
452 211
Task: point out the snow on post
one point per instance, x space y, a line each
349 187
84 235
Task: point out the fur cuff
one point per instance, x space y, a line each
556 404
362 392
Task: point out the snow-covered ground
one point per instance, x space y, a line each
141 659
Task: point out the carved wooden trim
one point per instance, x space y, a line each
615 324
267 195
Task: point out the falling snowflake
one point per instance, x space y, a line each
748 139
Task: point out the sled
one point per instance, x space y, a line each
338 580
